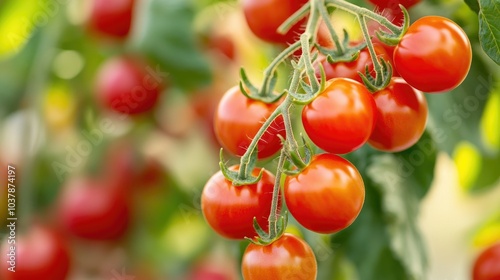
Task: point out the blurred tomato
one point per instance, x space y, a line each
40 253
94 209
112 18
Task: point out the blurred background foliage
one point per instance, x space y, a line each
447 184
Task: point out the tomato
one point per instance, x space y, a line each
238 119
93 209
327 195
265 16
230 210
391 10
487 264
128 85
341 118
401 117
434 55
287 258
39 254
350 69
112 18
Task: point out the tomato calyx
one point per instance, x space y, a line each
392 39
244 176
276 230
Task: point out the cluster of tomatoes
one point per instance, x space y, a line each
326 196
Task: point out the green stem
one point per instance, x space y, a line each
246 158
273 215
369 44
333 34
356 10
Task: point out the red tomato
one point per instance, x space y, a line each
401 117
287 258
127 85
39 254
238 119
434 55
391 10
230 210
327 195
341 118
265 16
112 17
487 264
95 210
350 69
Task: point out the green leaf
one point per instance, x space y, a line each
489 28
383 242
473 5
166 36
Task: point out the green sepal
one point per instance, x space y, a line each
349 54
378 83
263 238
265 95
244 176
392 39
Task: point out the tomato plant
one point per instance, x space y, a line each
341 118
112 18
487 264
128 85
230 209
237 120
434 55
401 117
287 258
93 209
265 16
327 195
40 254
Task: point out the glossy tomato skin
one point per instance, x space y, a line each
341 118
230 210
40 254
289 257
487 264
128 85
327 195
94 210
350 69
112 18
434 55
265 16
238 119
401 117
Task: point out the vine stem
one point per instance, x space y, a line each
273 214
369 44
356 10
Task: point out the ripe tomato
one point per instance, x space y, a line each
238 119
487 264
40 254
401 117
93 209
391 10
230 210
265 16
287 258
350 69
327 195
341 118
112 17
127 85
434 55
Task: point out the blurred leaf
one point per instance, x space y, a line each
455 116
489 28
473 5
17 21
384 242
167 37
